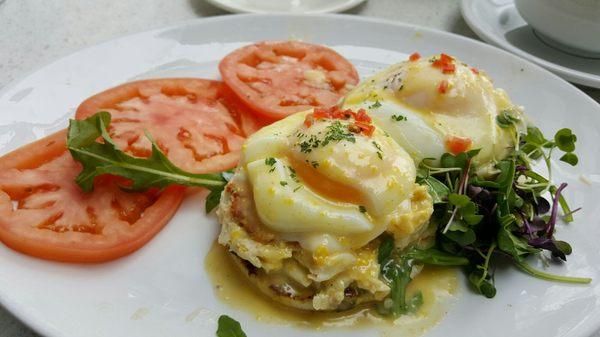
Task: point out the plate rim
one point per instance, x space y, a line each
573 75
16 309
242 10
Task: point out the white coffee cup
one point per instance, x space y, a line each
570 25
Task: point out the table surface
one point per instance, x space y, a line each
34 33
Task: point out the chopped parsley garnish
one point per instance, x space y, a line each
362 209
312 143
297 188
313 163
293 174
283 183
335 132
399 118
379 151
375 105
270 162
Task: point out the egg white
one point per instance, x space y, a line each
468 109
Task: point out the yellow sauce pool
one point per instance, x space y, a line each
438 286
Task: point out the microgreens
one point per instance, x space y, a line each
511 213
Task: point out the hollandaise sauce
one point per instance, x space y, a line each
438 286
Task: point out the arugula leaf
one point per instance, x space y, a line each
415 302
99 158
386 248
396 268
395 271
229 327
214 197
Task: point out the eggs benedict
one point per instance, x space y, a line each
308 201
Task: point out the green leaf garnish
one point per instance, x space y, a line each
229 327
396 268
516 246
99 158
565 140
507 119
505 213
570 158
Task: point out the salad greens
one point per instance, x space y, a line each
98 158
505 214
229 327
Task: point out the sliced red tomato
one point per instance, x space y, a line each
277 79
198 123
43 212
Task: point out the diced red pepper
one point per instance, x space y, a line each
367 129
308 121
475 71
362 116
443 87
456 145
446 58
362 120
448 69
414 57
445 63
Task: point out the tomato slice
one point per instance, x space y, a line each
43 212
277 79
198 123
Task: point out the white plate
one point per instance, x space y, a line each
285 6
151 292
498 22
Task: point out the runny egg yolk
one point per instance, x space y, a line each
325 187
329 184
435 105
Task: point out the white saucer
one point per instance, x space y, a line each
498 22
285 6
